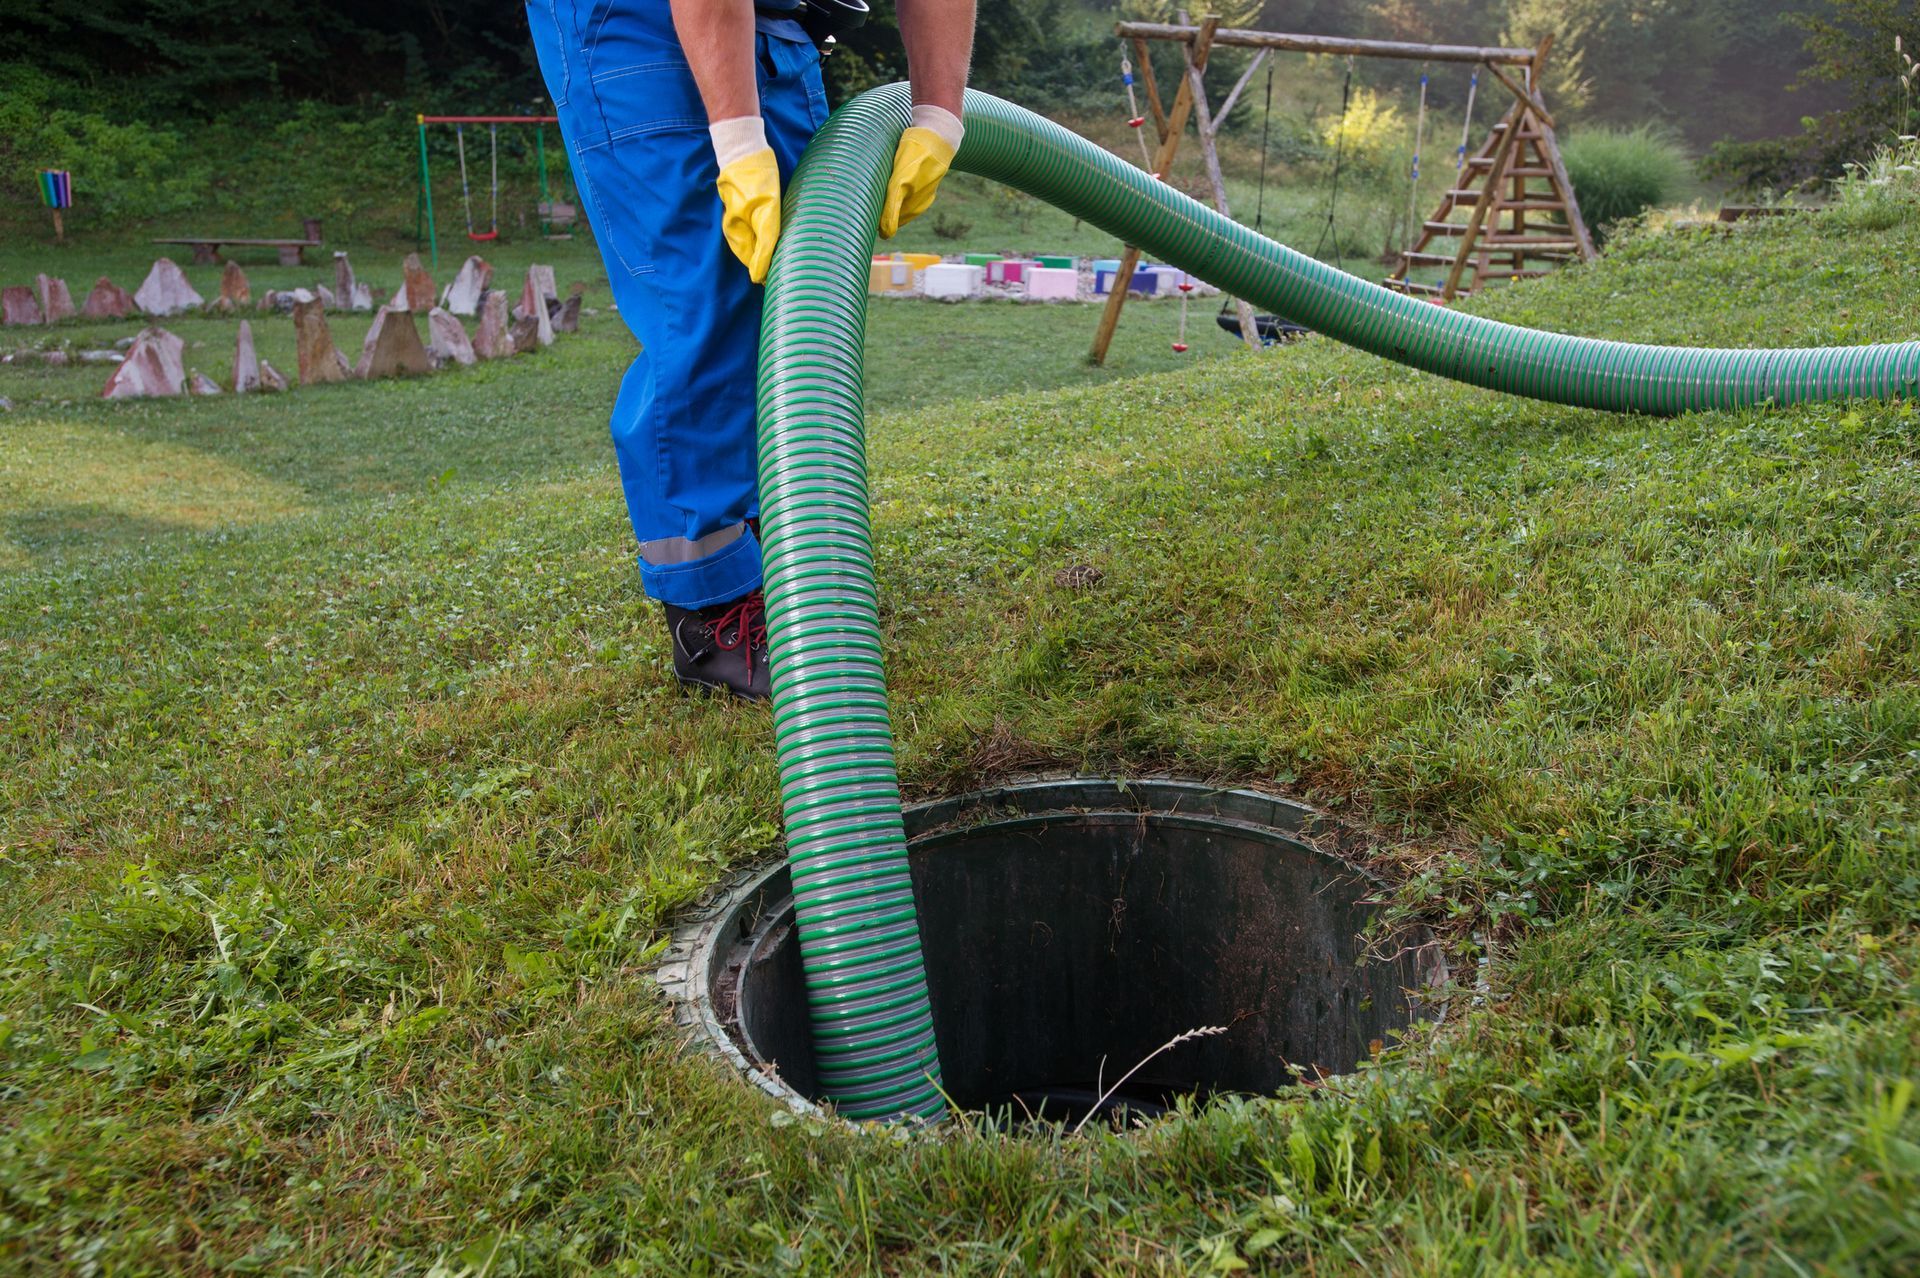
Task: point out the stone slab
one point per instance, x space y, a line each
107 300
392 348
152 368
246 363
319 360
447 341
463 295
166 291
18 306
235 291
56 303
491 339
416 289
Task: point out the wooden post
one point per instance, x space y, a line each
1169 145
1145 55
1550 148
1487 194
1249 331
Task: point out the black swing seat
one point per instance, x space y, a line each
1273 329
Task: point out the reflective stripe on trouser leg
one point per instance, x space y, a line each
687 550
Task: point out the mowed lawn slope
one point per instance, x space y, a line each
345 797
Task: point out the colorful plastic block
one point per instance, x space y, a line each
1146 281
1152 281
980 259
1057 262
1052 284
1012 271
952 280
920 261
889 277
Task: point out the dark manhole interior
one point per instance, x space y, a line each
1071 927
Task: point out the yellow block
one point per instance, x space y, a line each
919 261
889 277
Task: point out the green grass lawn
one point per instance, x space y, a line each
346 797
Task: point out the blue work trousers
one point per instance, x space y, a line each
636 132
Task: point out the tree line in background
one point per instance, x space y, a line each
167 105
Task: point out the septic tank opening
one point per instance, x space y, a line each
1071 927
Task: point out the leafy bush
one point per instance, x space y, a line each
1767 165
1367 133
1619 174
355 167
951 228
122 172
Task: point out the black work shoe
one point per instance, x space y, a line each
723 647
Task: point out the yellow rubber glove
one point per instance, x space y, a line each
749 187
750 194
922 158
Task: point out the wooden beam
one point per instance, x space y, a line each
1549 147
1226 108
1162 164
1563 185
1145 63
1240 38
1528 95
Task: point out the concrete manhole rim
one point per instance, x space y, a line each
685 969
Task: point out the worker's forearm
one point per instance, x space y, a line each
717 37
938 35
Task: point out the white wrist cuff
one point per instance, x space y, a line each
941 121
737 138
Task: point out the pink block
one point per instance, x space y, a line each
1052 284
1012 271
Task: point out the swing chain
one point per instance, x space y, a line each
1339 158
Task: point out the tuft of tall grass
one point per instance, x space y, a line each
1618 174
1881 192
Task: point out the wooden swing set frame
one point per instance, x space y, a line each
1498 186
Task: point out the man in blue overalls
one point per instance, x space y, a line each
682 118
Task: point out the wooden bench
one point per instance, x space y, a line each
206 248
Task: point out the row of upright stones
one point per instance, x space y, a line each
154 365
48 301
167 292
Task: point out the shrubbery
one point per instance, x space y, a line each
1619 174
127 170
355 167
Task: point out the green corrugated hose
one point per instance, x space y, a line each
859 938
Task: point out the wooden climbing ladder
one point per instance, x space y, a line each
1513 227
1522 219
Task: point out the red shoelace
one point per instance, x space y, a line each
747 619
